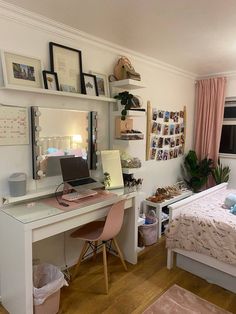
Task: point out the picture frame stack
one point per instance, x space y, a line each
65 74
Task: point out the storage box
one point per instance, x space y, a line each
50 305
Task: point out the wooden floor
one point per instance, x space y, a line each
132 291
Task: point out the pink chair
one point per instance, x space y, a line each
102 231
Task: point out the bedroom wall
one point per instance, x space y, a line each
229 161
168 88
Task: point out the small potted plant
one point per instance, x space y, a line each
128 101
107 180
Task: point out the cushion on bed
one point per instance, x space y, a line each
233 210
230 200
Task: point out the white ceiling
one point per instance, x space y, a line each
198 36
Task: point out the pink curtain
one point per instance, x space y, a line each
210 99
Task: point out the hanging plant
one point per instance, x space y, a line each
127 100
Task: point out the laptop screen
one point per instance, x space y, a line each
74 168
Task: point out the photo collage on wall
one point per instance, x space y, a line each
167 134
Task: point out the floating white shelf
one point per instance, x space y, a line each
130 170
127 84
130 113
130 140
55 93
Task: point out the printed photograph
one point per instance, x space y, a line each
160 142
153 153
166 155
181 150
159 128
154 127
182 139
167 141
177 129
181 114
23 72
154 114
159 154
182 128
160 114
166 129
172 142
177 141
167 116
172 129
176 117
171 153
154 142
172 115
176 152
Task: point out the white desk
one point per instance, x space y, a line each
17 233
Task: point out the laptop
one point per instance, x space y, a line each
75 172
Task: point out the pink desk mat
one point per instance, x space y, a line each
90 200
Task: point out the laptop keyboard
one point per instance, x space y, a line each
81 181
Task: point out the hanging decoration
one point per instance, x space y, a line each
166 133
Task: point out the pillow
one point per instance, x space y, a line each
233 210
230 200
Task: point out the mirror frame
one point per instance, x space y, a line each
35 129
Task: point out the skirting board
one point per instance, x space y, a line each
206 272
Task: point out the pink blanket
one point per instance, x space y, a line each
205 227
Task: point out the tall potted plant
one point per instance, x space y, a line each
196 172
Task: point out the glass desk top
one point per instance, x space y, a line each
34 210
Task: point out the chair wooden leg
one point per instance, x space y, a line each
105 266
120 254
95 250
84 249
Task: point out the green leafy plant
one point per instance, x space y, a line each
220 173
127 100
196 172
107 179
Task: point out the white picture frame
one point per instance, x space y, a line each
102 84
21 70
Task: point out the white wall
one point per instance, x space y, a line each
167 88
231 162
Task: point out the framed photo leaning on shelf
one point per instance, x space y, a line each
50 80
67 63
21 70
89 84
102 84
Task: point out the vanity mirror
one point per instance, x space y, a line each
61 133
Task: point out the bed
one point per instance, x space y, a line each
202 234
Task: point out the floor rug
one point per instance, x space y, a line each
177 300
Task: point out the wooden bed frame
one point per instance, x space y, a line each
204 266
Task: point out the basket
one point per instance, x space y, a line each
147 234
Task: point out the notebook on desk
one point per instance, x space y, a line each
75 173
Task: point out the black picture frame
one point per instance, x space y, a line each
67 63
46 75
89 81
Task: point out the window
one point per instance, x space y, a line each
228 134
